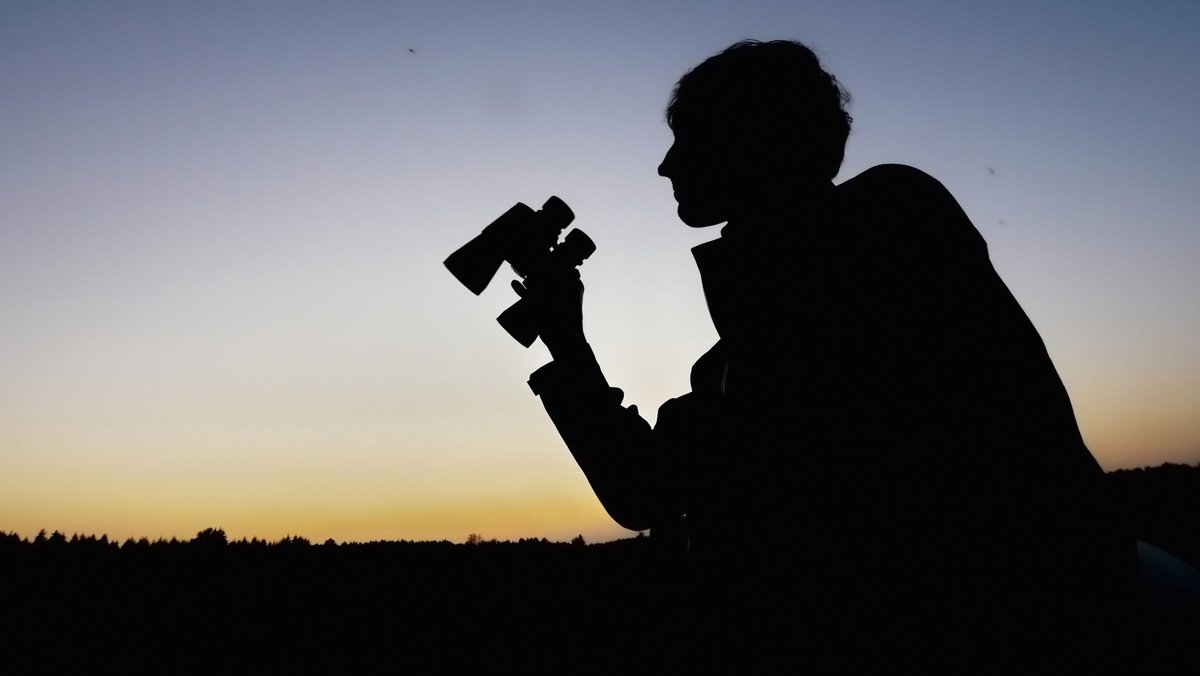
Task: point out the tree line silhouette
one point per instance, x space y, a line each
209 603
215 603
1161 506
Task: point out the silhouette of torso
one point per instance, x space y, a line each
879 414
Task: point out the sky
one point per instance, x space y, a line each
222 227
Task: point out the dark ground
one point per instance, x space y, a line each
75 603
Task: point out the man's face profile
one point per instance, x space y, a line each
694 183
719 166
704 170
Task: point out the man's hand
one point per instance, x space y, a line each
557 300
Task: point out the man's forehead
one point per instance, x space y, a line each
722 120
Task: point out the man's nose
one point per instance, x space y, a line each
664 167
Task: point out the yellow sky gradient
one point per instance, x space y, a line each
222 227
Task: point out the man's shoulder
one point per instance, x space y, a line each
897 179
896 200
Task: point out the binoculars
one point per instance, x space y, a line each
528 241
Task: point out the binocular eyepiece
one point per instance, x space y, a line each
527 240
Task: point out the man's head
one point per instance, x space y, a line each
757 114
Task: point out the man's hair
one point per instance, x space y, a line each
775 91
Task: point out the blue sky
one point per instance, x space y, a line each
222 227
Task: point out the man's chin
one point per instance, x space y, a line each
698 219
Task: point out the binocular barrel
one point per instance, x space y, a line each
517 235
528 241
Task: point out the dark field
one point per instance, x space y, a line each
76 603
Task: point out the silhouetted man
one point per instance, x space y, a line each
878 450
